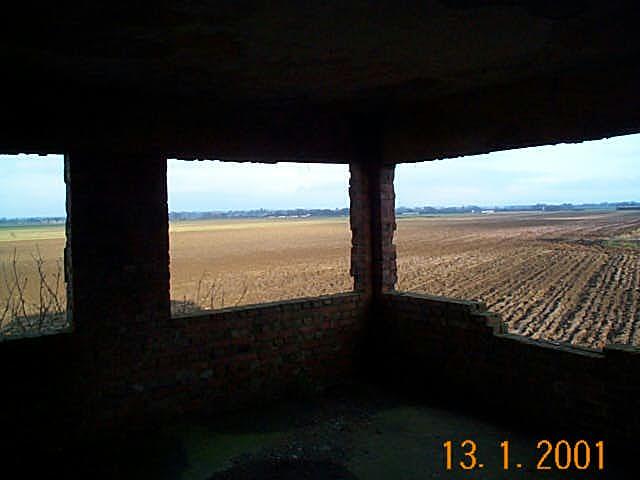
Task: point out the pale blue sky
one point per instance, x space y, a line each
599 171
596 171
215 185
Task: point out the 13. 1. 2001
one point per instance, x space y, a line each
561 455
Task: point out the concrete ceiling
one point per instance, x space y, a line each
320 51
329 59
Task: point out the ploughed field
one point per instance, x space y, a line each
225 263
564 276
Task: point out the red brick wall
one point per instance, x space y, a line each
231 357
373 223
210 362
40 392
457 352
126 358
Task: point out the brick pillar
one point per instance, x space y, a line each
117 260
373 223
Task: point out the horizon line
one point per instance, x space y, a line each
437 207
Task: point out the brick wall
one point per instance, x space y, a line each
373 223
40 393
227 358
126 359
208 362
456 351
117 265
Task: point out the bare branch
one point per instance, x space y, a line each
245 289
17 311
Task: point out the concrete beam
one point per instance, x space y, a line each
576 106
174 128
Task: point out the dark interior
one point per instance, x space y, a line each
120 87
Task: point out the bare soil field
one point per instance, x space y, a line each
566 276
213 264
32 288
225 263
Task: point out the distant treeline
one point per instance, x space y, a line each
538 207
32 221
342 212
261 213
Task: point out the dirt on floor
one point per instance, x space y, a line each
359 432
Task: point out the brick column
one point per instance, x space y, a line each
373 223
117 259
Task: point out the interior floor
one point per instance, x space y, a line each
359 432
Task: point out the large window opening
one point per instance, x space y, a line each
246 233
32 241
549 237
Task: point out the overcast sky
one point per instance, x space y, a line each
215 185
605 170
597 171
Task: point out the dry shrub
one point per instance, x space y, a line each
20 314
209 294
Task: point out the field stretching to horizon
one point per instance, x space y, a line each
225 263
563 276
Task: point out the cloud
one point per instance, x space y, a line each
596 171
606 170
215 185
32 186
